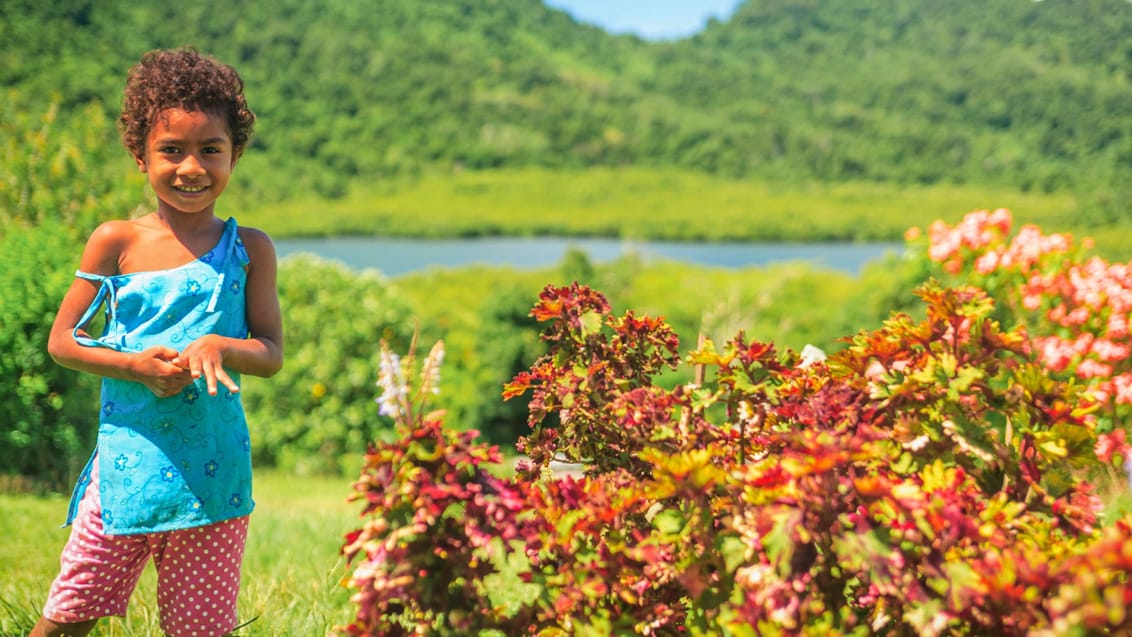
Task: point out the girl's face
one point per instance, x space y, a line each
188 159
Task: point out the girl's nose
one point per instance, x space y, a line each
190 166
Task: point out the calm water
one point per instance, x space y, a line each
398 256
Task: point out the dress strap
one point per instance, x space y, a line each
107 294
227 245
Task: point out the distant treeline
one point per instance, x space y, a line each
1032 95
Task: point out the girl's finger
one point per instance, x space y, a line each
224 378
210 380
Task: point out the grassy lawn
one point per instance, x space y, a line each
645 203
291 572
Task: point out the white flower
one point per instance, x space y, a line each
430 373
811 355
917 443
392 384
746 412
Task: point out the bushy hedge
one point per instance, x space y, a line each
48 413
320 406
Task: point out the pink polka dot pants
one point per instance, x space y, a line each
198 572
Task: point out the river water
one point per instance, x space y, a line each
394 256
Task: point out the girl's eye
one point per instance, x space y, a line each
169 150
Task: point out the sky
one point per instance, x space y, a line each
651 19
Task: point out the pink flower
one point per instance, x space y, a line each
1054 352
1090 368
1001 219
1079 316
1109 351
1117 326
1122 387
1083 343
1108 444
988 262
1057 314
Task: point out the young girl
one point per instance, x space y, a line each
190 303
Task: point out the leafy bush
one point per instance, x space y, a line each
58 178
50 413
62 167
308 416
931 478
507 343
1076 307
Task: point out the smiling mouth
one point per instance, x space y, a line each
190 189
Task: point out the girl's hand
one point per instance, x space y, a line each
156 369
205 357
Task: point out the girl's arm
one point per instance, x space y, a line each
153 367
261 354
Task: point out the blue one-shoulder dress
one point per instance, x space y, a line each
184 460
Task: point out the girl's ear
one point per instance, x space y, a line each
140 160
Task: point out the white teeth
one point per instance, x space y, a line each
190 188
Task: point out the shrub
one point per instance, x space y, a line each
58 178
317 407
50 413
931 478
62 167
1076 307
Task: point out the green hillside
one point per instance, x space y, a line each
792 120
1031 96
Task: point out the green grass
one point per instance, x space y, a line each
645 203
291 572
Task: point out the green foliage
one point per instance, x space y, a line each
61 166
507 342
929 479
908 92
645 203
313 413
60 174
882 288
49 412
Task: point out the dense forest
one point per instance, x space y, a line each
1032 95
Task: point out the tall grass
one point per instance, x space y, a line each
291 571
645 203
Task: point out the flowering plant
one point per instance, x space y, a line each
434 515
931 478
1076 307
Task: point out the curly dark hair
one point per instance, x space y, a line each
183 78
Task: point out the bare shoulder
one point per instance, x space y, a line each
258 244
118 231
106 245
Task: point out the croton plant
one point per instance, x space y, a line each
955 474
